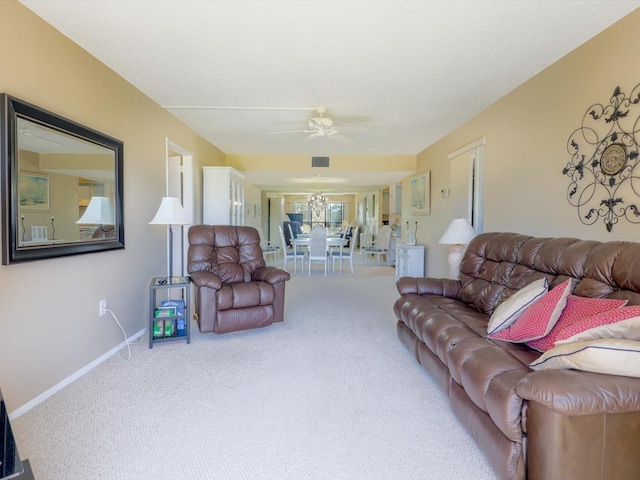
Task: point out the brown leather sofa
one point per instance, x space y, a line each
536 425
234 289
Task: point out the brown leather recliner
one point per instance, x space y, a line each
234 289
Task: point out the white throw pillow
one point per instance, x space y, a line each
609 355
509 310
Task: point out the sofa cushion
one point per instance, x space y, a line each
489 375
510 310
245 294
610 356
576 310
538 320
621 322
440 322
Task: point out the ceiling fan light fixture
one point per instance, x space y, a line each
320 127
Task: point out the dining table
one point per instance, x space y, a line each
332 240
303 240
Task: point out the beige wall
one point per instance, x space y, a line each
49 326
526 147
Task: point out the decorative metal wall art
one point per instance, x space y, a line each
604 157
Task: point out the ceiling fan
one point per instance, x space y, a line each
319 127
29 129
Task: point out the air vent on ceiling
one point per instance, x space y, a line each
320 162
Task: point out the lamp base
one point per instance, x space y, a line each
456 252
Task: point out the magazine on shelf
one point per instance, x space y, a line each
164 312
177 304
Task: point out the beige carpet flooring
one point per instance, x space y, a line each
328 394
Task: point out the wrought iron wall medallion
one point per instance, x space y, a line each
604 156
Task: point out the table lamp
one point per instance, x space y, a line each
458 235
170 213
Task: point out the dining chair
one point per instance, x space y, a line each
318 248
341 255
381 244
366 239
291 235
292 254
268 247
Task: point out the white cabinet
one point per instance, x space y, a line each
409 260
222 196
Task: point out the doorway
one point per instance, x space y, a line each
467 186
180 185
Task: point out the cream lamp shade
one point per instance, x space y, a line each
98 212
170 212
458 234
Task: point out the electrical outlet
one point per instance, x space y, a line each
103 307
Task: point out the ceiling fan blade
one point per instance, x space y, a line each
322 121
354 129
338 137
290 131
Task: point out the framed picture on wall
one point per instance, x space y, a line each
420 194
33 192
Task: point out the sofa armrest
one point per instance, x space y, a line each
572 392
445 287
271 275
206 279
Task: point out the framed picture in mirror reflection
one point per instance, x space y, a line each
33 192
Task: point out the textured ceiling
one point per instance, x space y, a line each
395 76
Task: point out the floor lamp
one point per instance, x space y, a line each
458 235
170 213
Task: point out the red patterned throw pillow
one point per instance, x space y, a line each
621 322
537 320
578 315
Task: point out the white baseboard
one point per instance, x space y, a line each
42 397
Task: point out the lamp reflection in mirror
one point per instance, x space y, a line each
458 235
170 213
99 212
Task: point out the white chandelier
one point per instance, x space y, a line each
318 203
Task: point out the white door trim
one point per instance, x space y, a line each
185 189
481 142
476 180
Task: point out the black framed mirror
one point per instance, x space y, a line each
61 185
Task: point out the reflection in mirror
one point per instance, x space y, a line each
59 175
63 182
